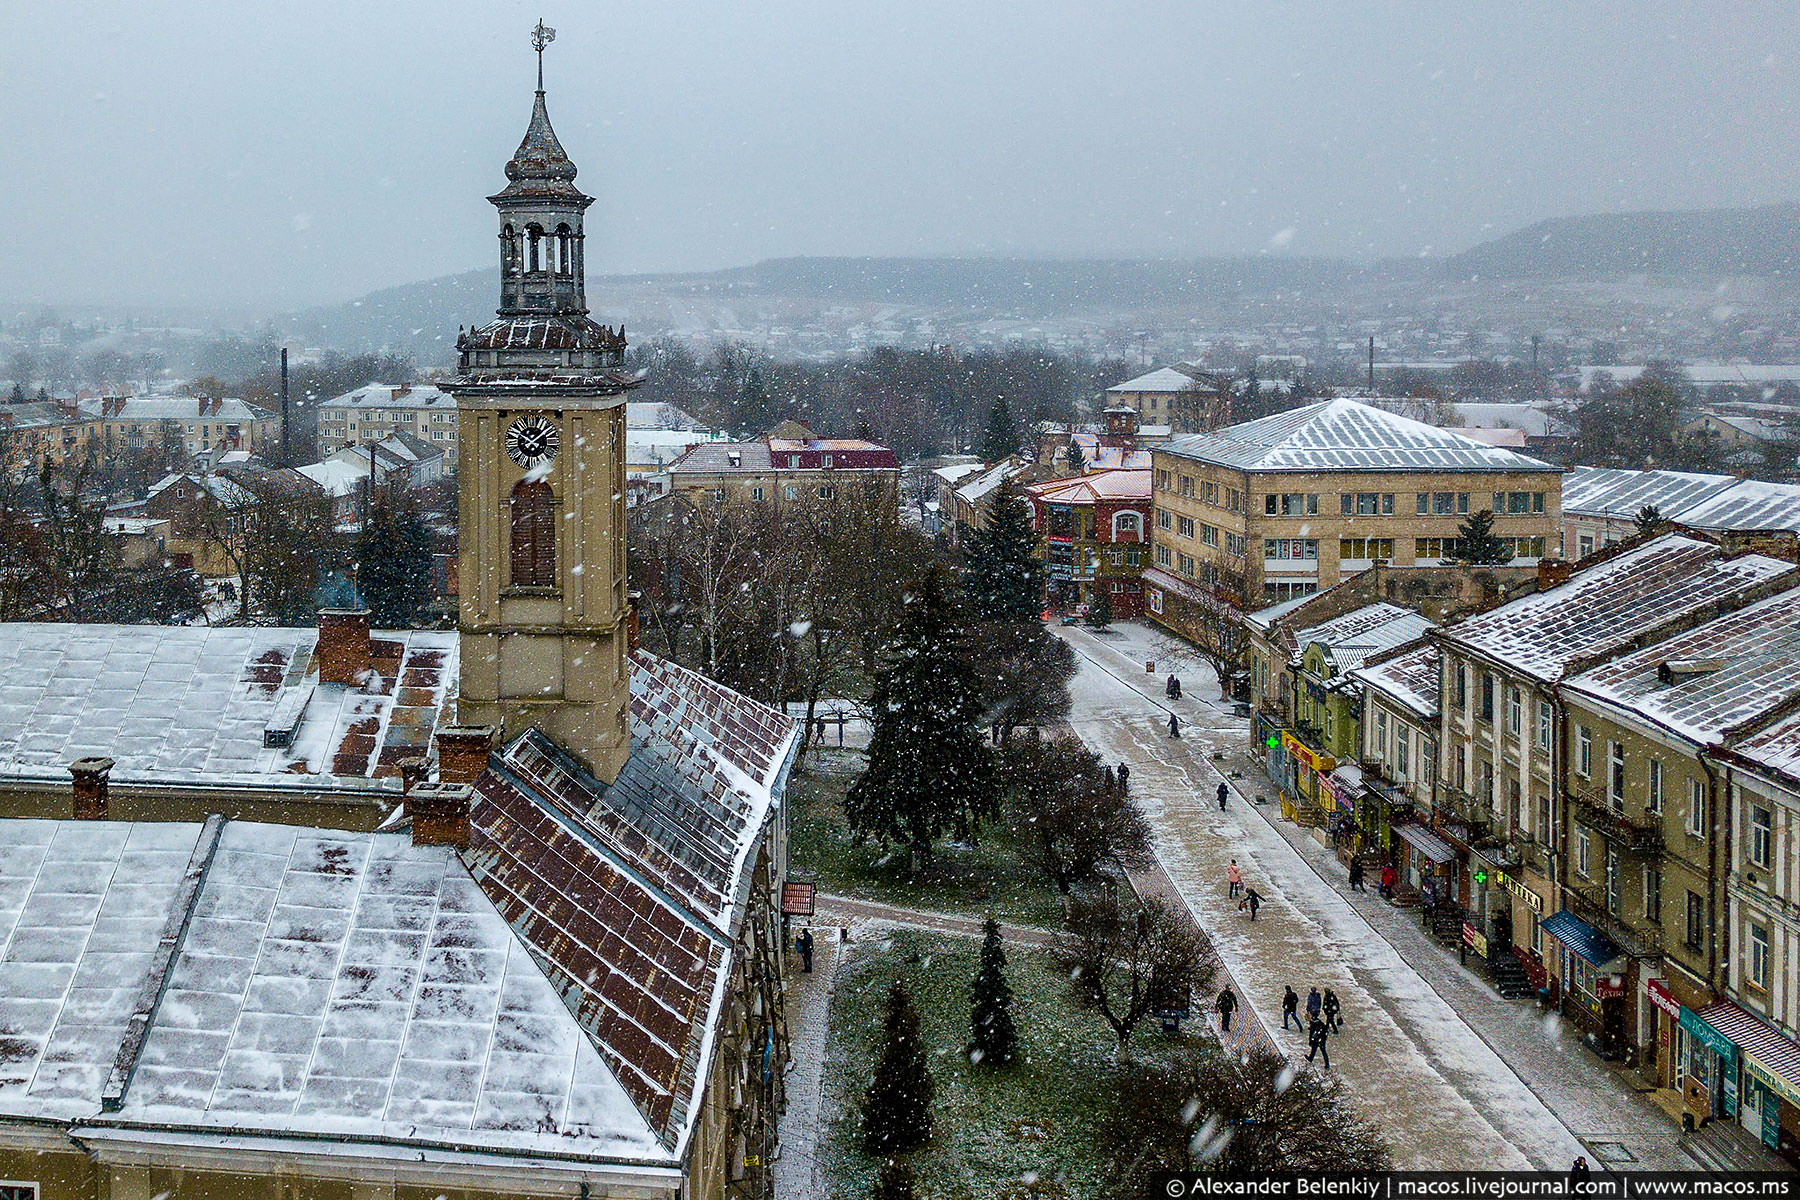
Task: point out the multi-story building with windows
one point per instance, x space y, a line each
1288 505
1093 535
37 432
376 410
125 423
778 471
1183 397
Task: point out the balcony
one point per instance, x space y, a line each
1589 902
1467 810
1636 835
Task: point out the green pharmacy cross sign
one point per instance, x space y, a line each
1274 743
1481 877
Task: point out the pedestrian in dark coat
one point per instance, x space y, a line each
804 944
1174 726
1227 1005
1124 777
1579 1172
1290 1009
1356 875
1331 1008
1176 683
1223 793
1252 900
1314 1003
1315 1042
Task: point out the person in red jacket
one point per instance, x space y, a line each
1390 878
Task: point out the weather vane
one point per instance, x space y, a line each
541 35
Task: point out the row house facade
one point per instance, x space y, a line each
1093 536
778 471
203 425
379 410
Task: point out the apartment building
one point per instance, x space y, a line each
376 410
1183 397
37 432
782 470
1288 505
204 425
1093 536
1398 752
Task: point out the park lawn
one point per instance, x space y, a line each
986 878
1025 1130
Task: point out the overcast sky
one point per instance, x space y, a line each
272 156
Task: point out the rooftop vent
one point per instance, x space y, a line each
736 457
1680 670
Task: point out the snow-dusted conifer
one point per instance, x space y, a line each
991 1003
897 1108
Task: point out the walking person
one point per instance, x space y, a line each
1174 726
1330 1008
1252 900
1315 1042
1389 878
1234 880
1176 684
1223 793
1227 1004
1290 1009
1169 688
1314 1004
804 944
1124 778
1356 874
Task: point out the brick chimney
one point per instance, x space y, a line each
463 752
1776 543
1553 572
90 785
632 601
343 650
440 814
412 772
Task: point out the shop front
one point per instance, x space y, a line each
1707 1064
1342 800
1769 1083
1271 736
1592 970
1663 1012
1309 768
1426 861
1528 908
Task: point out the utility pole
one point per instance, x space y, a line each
1371 364
287 450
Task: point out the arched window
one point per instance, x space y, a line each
533 535
1126 523
536 261
564 236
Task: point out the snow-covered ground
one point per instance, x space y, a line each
1446 1097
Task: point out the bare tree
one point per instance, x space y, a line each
1218 638
1130 961
1071 814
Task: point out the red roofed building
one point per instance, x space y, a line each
1094 533
782 470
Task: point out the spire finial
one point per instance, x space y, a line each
541 35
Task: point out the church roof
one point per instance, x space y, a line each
540 166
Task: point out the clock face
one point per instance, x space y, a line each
531 441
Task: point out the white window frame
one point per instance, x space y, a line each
1583 852
1584 752
1756 955
1545 724
1653 787
1762 835
1696 814
1615 773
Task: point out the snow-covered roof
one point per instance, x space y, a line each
1608 492
1411 679
1262 618
393 395
1163 379
1360 633
1775 747
1094 487
1747 504
1534 420
1755 427
657 447
172 408
659 414
976 490
180 704
132 526
338 476
1718 675
1610 603
1344 435
1098 457
956 471
710 457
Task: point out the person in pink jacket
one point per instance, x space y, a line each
1235 878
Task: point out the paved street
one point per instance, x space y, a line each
1497 1087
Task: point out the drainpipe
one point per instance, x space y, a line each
1713 935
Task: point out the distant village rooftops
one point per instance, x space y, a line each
1345 435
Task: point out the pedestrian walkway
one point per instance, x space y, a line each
835 906
809 1004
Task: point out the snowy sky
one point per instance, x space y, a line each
281 155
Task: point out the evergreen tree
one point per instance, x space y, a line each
991 1002
1003 578
1100 613
1477 544
18 392
1648 518
394 556
895 1180
897 1107
929 769
1077 460
754 412
1000 440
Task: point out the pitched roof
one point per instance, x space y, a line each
1105 485
709 457
1727 671
1412 679
1747 504
1362 632
1607 492
1610 603
393 395
1163 379
189 704
1344 435
173 408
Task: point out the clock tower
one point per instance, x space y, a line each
540 398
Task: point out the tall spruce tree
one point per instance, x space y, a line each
1077 459
394 560
894 1181
1648 519
1003 579
1476 542
930 769
1000 439
1100 612
897 1107
990 1003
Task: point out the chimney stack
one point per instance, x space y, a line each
344 651
1553 572
463 752
90 786
440 814
412 773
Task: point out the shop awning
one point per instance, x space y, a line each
1771 1057
1592 945
1425 842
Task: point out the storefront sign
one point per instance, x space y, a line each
1663 998
1608 987
1475 940
1532 900
1711 1038
1773 1082
1322 763
797 899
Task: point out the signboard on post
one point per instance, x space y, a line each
1475 940
797 899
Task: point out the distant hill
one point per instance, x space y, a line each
1721 241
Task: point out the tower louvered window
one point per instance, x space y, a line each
533 535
